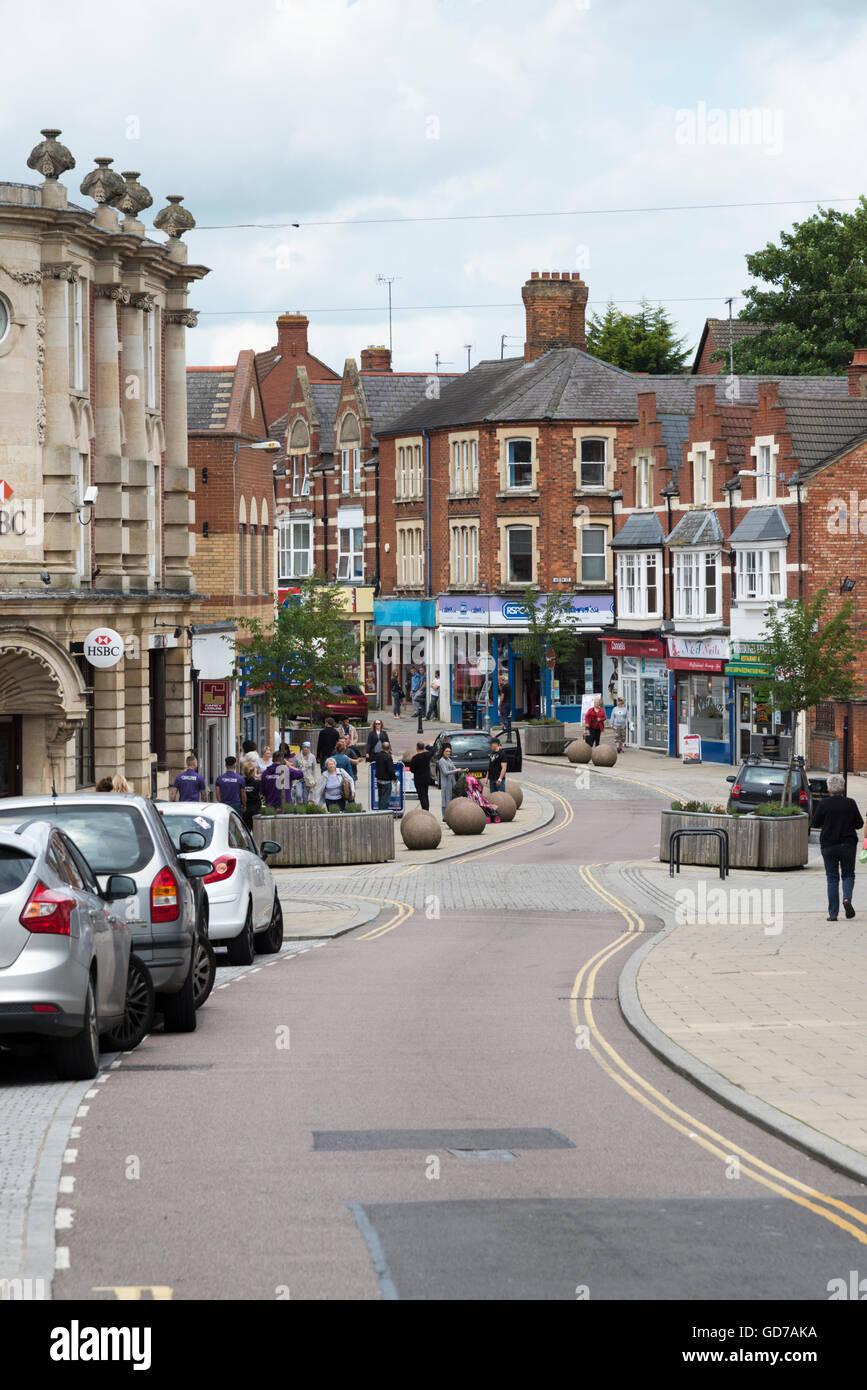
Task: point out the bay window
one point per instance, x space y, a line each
760 574
639 584
696 584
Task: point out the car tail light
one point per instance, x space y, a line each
224 867
45 1008
165 900
736 791
802 797
47 911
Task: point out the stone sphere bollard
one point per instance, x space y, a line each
464 817
420 830
579 751
506 808
515 790
604 755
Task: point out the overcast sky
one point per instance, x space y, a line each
321 110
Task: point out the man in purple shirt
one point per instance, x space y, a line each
230 787
277 781
190 785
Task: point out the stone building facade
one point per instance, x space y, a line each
95 495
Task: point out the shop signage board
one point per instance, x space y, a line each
691 748
486 610
103 647
747 660
626 646
699 648
215 698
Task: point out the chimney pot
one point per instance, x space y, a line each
555 307
534 274
376 359
857 373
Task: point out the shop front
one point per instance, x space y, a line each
700 695
640 676
403 634
750 714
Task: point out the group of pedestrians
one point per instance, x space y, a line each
424 696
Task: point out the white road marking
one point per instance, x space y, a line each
66 1185
70 1155
61 1257
88 1095
75 1132
82 1111
63 1219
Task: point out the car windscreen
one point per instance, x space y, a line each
179 825
466 745
15 865
113 839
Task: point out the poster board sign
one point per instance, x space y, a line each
215 698
691 748
397 788
587 703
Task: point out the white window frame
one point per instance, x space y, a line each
594 463
701 457
300 475
510 531
594 555
76 334
634 569
408 469
764 452
643 481
350 554
691 586
289 551
510 464
768 564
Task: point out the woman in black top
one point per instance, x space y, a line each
376 736
839 820
253 785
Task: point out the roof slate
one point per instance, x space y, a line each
639 530
697 528
761 524
822 429
209 393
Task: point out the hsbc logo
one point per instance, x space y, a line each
21 521
6 490
103 647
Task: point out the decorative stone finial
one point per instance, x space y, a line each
135 197
175 220
102 184
49 158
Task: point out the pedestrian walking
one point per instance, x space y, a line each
189 785
506 708
252 792
336 787
346 729
620 723
496 767
447 771
342 760
375 739
838 820
230 787
397 694
327 741
384 772
419 695
272 782
594 722
250 754
419 766
433 709
306 764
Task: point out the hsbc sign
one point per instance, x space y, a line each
103 647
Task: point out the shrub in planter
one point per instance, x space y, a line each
353 806
773 809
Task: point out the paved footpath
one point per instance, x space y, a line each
750 985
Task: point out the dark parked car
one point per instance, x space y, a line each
760 781
471 751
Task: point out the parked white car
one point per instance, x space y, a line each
245 914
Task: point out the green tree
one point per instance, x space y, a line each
813 297
550 625
292 661
645 341
813 656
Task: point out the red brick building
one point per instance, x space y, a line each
276 367
718 335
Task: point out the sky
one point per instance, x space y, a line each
353 117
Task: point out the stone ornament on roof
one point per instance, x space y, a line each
49 158
187 318
135 197
174 220
102 184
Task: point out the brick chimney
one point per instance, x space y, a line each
554 305
857 373
292 336
376 359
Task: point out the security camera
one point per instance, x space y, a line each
45 576
90 496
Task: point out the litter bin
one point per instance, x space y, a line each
468 714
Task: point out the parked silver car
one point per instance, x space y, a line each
125 835
64 952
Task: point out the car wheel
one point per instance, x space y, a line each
269 942
204 970
77 1059
179 1010
242 948
140 1006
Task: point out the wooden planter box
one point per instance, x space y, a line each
543 740
360 837
755 842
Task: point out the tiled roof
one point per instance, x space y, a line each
209 392
266 362
675 432
725 331
390 395
737 428
326 398
639 530
697 528
822 429
677 393
760 524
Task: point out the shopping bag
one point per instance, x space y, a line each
862 857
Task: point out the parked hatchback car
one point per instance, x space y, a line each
245 912
761 781
471 751
346 701
125 835
65 952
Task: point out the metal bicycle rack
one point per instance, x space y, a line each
722 837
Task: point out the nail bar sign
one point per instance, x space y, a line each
103 647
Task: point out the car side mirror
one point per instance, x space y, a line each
730 779
269 847
198 868
120 886
191 840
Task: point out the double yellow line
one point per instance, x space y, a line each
611 1062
